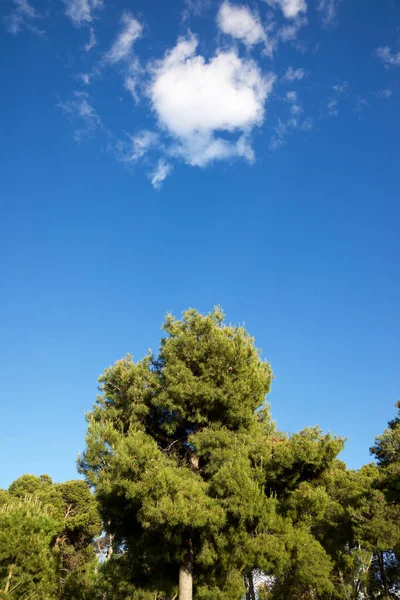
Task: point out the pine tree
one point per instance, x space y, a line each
347 513
28 567
147 448
74 513
192 476
387 452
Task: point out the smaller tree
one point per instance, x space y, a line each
28 567
74 512
387 452
347 512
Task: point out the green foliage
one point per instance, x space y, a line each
27 484
386 564
387 452
28 567
348 514
302 457
307 569
4 497
113 582
76 521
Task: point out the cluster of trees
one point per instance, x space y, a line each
191 491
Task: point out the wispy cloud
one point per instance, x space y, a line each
332 107
195 8
361 105
79 109
387 93
87 123
290 8
92 40
81 11
23 16
141 143
389 58
84 78
134 78
341 88
280 132
122 46
339 92
290 31
328 10
160 173
195 101
292 98
131 84
293 74
285 128
242 24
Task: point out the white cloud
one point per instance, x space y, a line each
332 107
388 57
239 22
79 108
195 99
295 108
81 11
385 93
290 8
134 78
131 84
92 40
361 105
283 129
307 124
22 17
288 32
88 123
291 96
160 173
85 78
200 151
328 10
341 88
244 149
122 47
196 8
293 74
141 143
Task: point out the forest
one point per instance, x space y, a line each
189 489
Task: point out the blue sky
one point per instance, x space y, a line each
157 156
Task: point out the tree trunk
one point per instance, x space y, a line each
383 575
10 574
110 549
186 577
252 592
